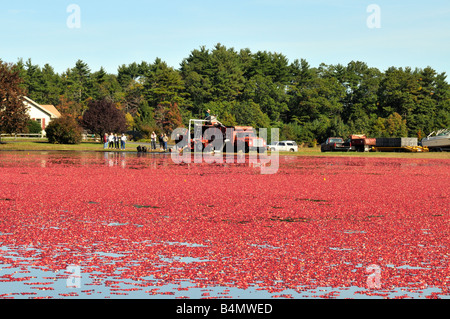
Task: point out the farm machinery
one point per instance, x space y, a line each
211 135
361 143
398 144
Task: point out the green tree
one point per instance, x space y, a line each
212 76
165 93
361 85
127 74
270 65
432 102
271 96
33 80
197 73
318 96
33 127
249 113
338 128
145 119
260 89
378 127
43 85
105 85
52 86
359 121
78 84
396 126
398 92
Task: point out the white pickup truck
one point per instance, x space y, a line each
283 146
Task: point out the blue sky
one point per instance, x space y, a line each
412 33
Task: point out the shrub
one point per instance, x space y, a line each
64 130
34 127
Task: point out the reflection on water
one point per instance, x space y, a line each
111 159
134 160
23 283
130 160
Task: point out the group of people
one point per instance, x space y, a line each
162 139
114 141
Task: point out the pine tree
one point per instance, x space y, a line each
165 92
78 86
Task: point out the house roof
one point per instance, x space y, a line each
49 109
52 109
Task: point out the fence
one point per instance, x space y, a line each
90 137
23 135
86 137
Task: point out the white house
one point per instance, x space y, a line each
43 114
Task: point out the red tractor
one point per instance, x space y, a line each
213 135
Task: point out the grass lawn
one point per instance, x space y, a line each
315 151
43 145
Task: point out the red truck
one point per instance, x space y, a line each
234 138
245 136
335 144
361 143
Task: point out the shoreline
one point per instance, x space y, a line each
436 156
131 147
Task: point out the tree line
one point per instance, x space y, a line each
261 89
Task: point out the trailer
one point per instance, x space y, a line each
398 144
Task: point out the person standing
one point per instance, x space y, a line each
153 140
123 140
165 140
111 140
161 142
105 141
116 141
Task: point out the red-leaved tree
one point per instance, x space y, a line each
103 116
13 112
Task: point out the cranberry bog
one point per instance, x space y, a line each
124 225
